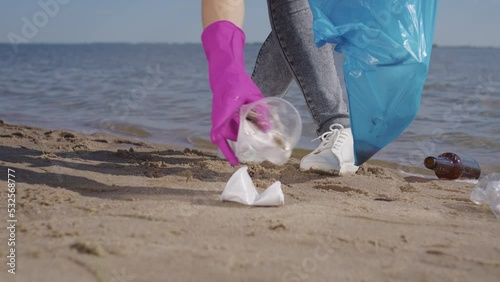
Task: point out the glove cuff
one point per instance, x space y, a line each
224 44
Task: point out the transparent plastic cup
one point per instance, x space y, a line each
269 130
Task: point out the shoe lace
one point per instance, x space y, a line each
326 137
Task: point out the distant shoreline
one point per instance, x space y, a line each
196 43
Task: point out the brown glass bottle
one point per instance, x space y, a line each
453 166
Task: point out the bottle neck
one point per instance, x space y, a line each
430 162
434 163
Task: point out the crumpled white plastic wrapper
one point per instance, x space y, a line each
241 189
487 192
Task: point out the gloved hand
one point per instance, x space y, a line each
231 86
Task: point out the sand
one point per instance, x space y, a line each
104 208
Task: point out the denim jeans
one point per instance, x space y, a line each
289 54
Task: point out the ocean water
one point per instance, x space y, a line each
160 93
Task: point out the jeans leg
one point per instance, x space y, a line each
271 72
313 68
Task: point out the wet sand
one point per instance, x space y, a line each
103 208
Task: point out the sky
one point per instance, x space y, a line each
459 22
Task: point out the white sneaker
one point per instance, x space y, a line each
334 155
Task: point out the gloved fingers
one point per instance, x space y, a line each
231 128
259 115
227 151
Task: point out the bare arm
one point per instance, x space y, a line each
217 10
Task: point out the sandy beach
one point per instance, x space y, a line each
103 208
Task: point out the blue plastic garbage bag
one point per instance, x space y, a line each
387 46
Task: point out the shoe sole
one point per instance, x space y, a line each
321 171
347 169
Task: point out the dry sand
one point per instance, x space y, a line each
102 208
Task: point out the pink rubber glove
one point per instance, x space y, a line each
231 86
